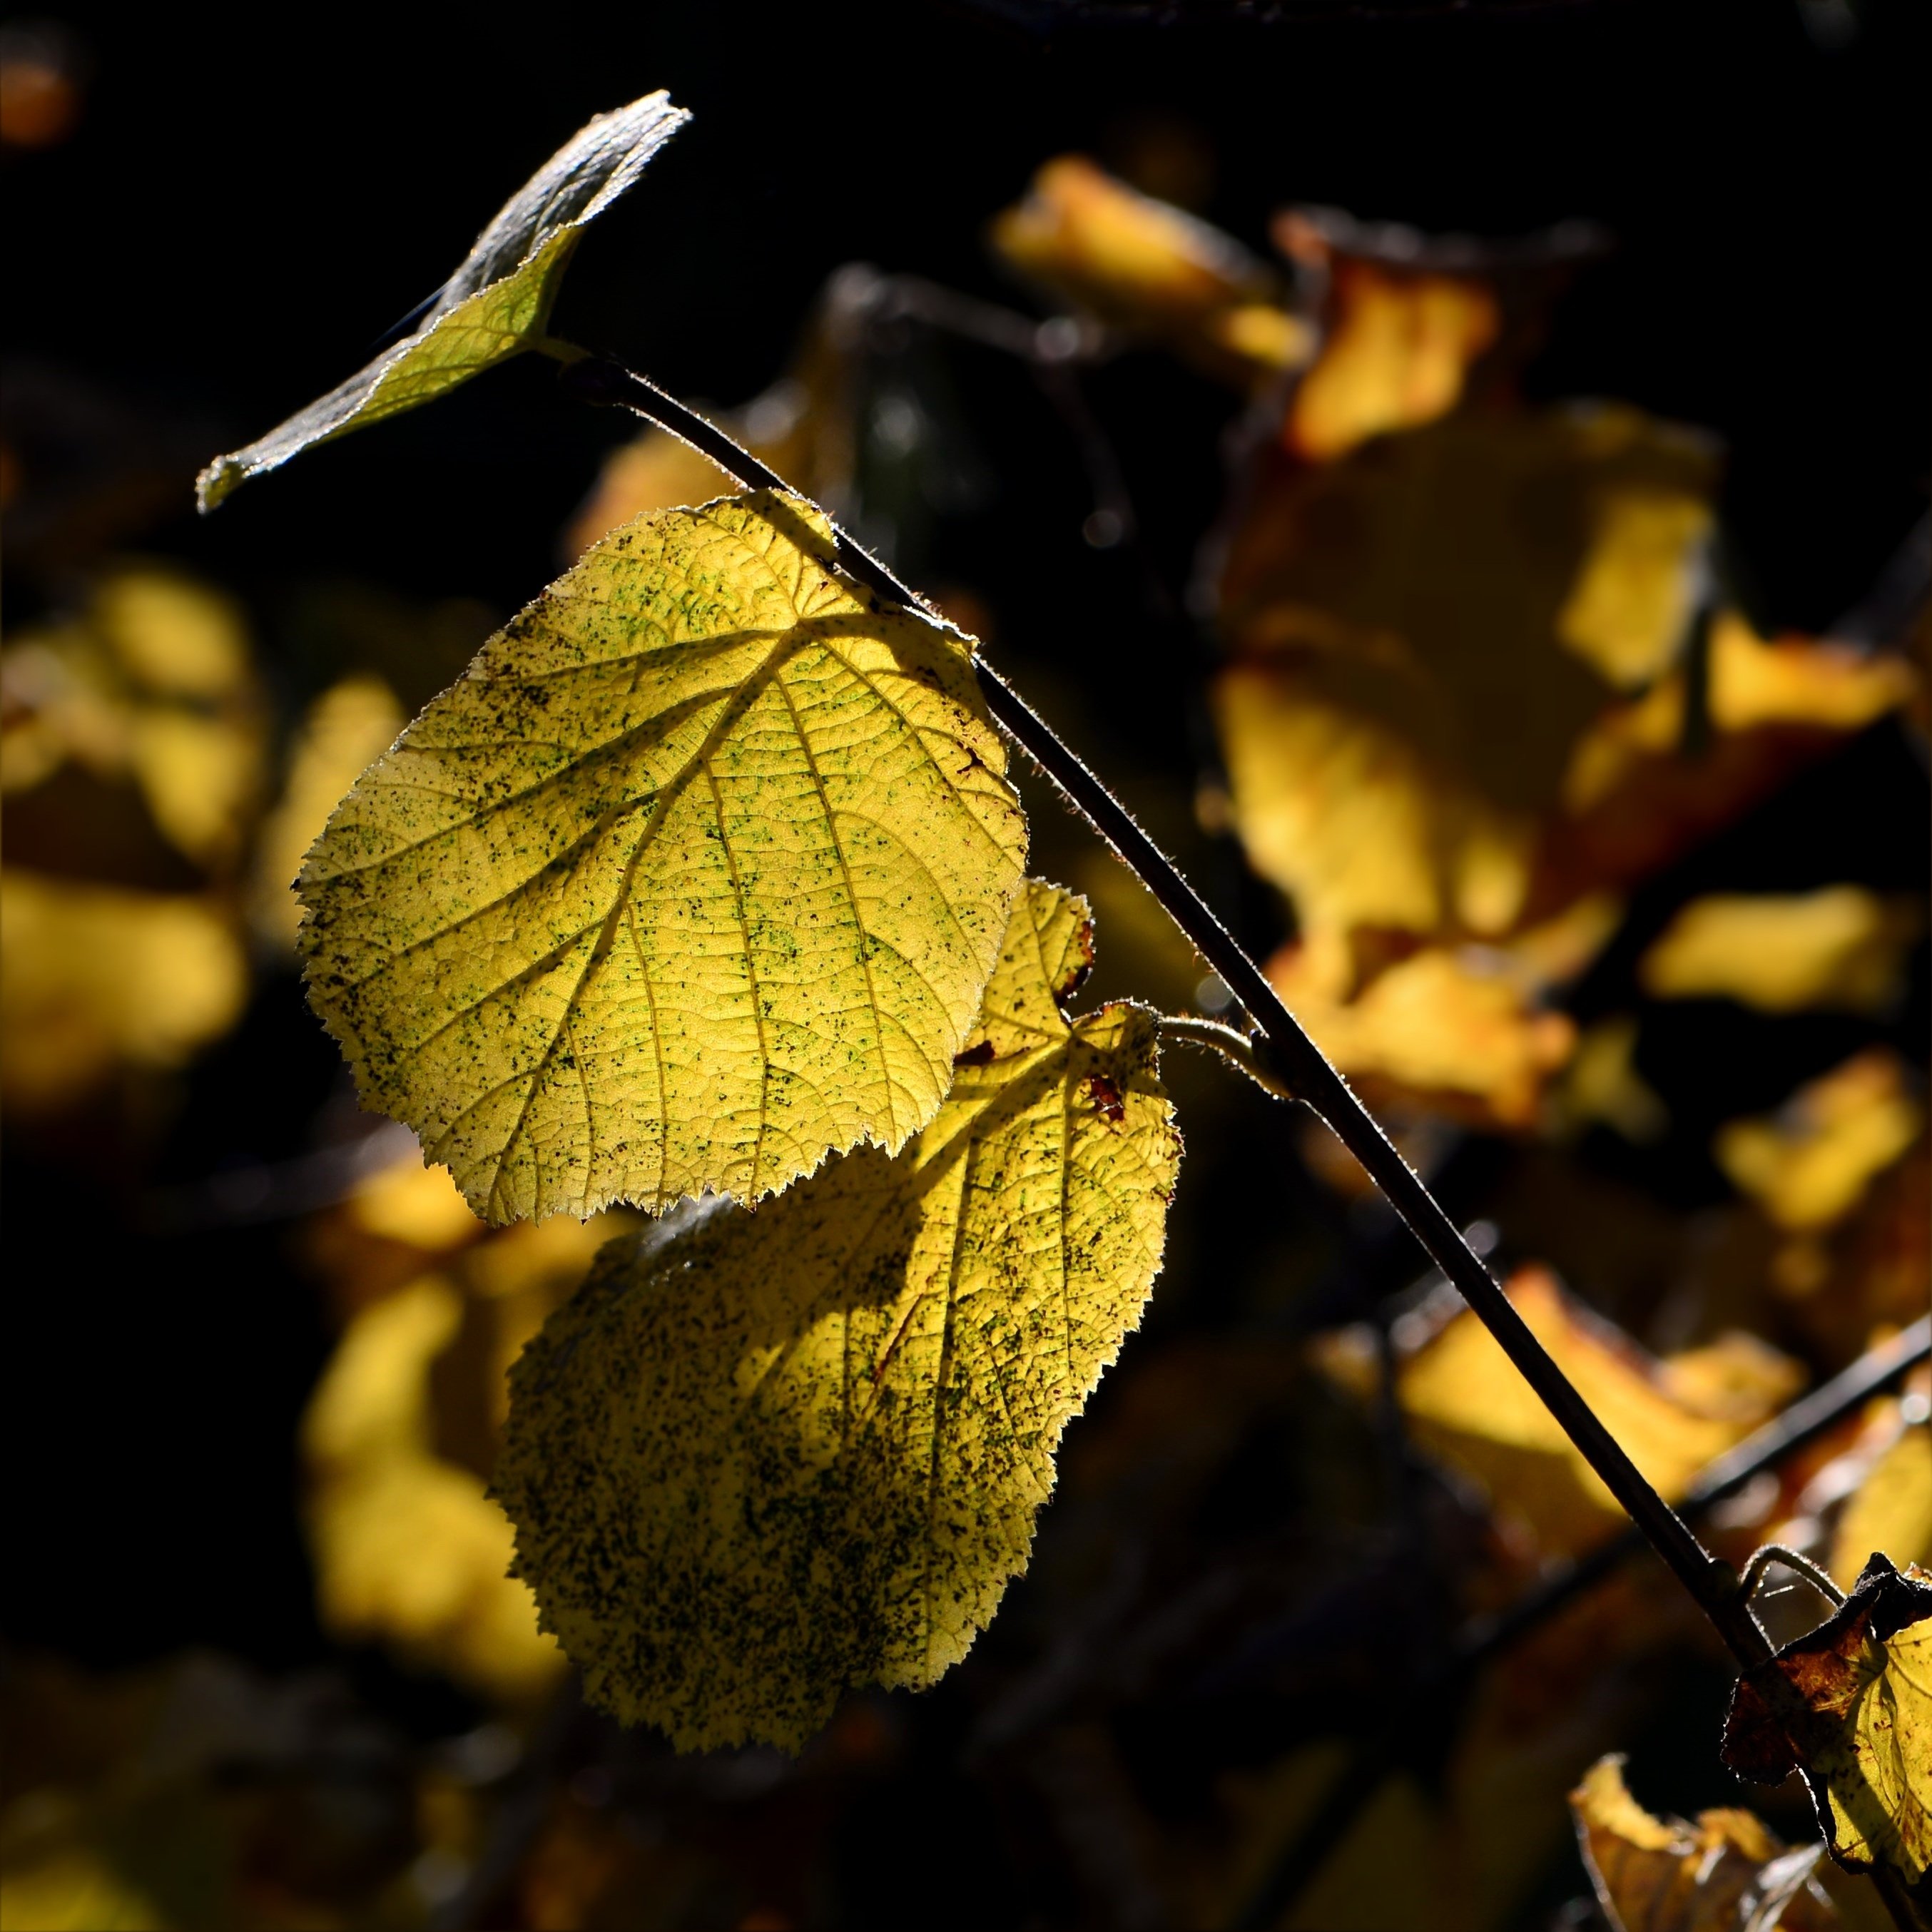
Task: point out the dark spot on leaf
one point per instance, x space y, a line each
979 1055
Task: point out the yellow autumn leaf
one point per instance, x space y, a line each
100 977
494 305
1470 1408
762 1456
1863 1733
343 731
1841 947
696 876
1890 1510
1809 1165
1725 1873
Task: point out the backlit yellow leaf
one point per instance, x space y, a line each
1863 1735
98 977
696 876
494 305
1809 1165
344 730
1727 1872
1842 946
761 1456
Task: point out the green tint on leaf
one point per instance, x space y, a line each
697 875
495 304
762 1456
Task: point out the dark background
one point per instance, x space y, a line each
246 207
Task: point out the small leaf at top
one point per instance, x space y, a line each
698 875
494 305
1865 1739
760 1457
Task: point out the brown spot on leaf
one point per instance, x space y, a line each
1106 1097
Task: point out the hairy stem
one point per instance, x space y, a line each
1283 1049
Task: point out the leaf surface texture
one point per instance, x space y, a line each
761 1456
697 875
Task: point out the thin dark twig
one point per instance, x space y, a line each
1295 1058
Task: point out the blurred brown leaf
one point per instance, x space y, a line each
1726 1873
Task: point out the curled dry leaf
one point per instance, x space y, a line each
496 303
696 876
762 1456
1725 1873
1862 1732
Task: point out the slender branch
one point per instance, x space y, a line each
1284 1047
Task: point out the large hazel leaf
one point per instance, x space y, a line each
494 305
697 875
761 1456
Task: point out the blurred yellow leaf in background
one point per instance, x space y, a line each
1151 269
1468 1406
408 1549
1842 947
1891 1509
151 686
98 977
1396 353
344 732
1809 1165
